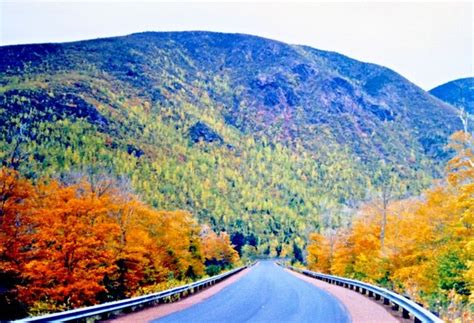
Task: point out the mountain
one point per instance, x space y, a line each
257 137
459 93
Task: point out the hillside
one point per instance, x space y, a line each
459 93
263 139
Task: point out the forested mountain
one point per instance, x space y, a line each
459 93
263 139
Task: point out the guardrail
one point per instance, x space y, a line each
106 310
397 301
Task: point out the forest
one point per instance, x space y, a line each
420 246
87 240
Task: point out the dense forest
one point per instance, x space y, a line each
89 240
421 246
265 140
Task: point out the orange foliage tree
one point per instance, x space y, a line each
69 253
152 246
176 244
16 195
218 251
63 246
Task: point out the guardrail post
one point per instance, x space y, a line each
371 294
386 301
377 297
405 314
395 307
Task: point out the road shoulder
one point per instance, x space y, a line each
360 308
159 311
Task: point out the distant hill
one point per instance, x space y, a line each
459 93
264 139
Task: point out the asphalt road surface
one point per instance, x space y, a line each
266 294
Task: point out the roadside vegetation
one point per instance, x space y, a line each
83 241
420 246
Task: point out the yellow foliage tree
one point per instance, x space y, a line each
428 249
217 250
320 252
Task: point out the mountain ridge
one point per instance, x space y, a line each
459 93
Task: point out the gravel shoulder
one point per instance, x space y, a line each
361 308
162 310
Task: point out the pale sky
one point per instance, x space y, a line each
429 43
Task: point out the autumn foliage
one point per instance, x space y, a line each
428 250
217 250
65 246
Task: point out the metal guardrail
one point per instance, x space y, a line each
105 310
397 301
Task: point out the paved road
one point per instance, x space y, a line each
266 294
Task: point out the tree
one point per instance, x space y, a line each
389 186
69 254
218 251
16 224
320 252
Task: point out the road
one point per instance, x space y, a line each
267 293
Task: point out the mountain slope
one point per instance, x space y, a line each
459 93
261 138
264 83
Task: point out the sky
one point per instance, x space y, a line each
429 43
